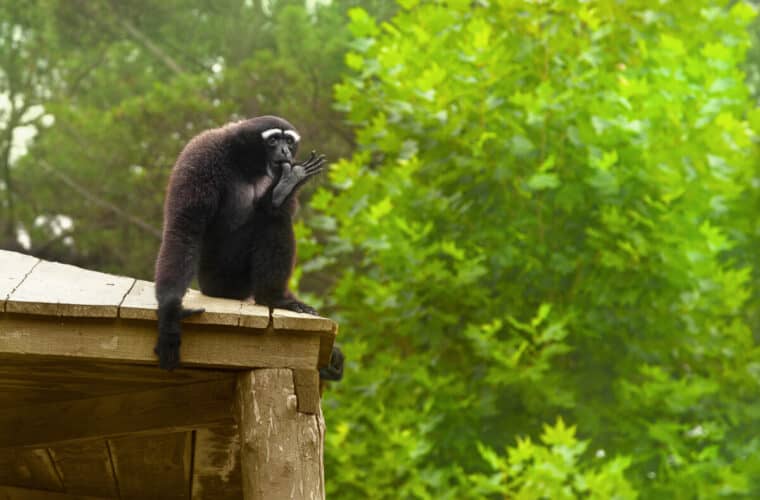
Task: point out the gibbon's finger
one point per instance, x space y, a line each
318 164
314 158
315 165
313 170
312 173
318 161
186 313
311 157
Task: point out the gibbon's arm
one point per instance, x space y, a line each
293 177
191 202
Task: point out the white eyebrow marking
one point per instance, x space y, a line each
270 132
293 134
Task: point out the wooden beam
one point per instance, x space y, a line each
11 493
27 468
170 409
280 447
133 342
153 467
85 468
216 464
307 390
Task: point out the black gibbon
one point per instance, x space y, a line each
228 216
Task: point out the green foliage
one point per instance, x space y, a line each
535 209
131 89
532 471
549 213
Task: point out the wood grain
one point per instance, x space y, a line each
61 290
156 411
12 493
13 269
28 469
281 448
85 469
133 341
307 390
153 468
216 464
141 303
283 319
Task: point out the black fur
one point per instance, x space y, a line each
220 220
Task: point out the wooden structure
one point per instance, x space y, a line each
85 413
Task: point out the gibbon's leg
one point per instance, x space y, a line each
272 260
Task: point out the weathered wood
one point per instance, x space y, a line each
61 290
216 464
133 341
28 379
140 303
11 493
281 448
29 469
85 469
153 468
283 319
160 410
13 269
307 390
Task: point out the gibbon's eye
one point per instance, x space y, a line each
272 141
289 140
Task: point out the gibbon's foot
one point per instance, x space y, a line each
290 304
298 306
334 369
169 340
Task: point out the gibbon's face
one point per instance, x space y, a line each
281 146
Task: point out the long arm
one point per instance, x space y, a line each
190 204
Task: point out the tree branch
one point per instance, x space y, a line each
95 199
157 51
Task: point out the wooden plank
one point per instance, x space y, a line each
168 409
133 342
284 320
11 493
31 379
216 464
13 269
281 448
307 390
29 469
253 315
141 303
85 469
289 320
153 468
56 289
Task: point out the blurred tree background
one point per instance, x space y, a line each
539 231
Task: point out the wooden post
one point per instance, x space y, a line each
280 446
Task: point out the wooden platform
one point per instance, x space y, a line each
85 413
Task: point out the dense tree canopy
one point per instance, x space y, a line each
539 231
550 216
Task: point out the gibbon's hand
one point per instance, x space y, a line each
313 166
293 176
169 334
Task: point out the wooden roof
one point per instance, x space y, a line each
86 413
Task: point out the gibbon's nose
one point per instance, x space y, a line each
286 154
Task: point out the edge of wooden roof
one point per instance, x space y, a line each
32 286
